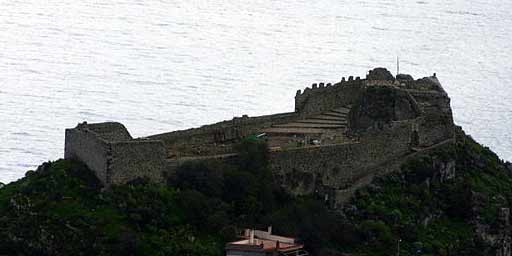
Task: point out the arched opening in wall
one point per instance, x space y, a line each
415 139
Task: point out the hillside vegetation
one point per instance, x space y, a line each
451 202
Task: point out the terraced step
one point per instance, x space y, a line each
309 125
341 110
323 121
329 121
328 117
335 114
296 130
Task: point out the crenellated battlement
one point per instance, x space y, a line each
325 87
321 97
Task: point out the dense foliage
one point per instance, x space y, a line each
243 194
195 214
62 209
429 214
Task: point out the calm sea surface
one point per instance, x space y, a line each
158 66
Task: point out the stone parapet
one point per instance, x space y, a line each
111 153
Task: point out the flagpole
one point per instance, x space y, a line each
397 65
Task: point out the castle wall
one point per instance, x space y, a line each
436 123
382 104
114 161
411 114
224 131
307 170
324 98
88 148
424 84
138 158
110 131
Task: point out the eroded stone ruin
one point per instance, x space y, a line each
339 136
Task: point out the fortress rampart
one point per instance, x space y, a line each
337 136
219 133
338 166
88 147
321 98
116 158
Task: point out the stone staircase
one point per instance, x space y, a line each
333 120
300 252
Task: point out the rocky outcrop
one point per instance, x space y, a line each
380 74
498 236
380 105
404 77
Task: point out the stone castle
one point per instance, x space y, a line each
339 136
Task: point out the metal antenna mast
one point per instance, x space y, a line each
397 65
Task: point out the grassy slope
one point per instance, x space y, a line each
60 210
430 215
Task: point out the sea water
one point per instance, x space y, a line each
158 66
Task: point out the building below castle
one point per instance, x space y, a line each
264 243
338 137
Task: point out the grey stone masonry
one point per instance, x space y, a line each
111 153
338 135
